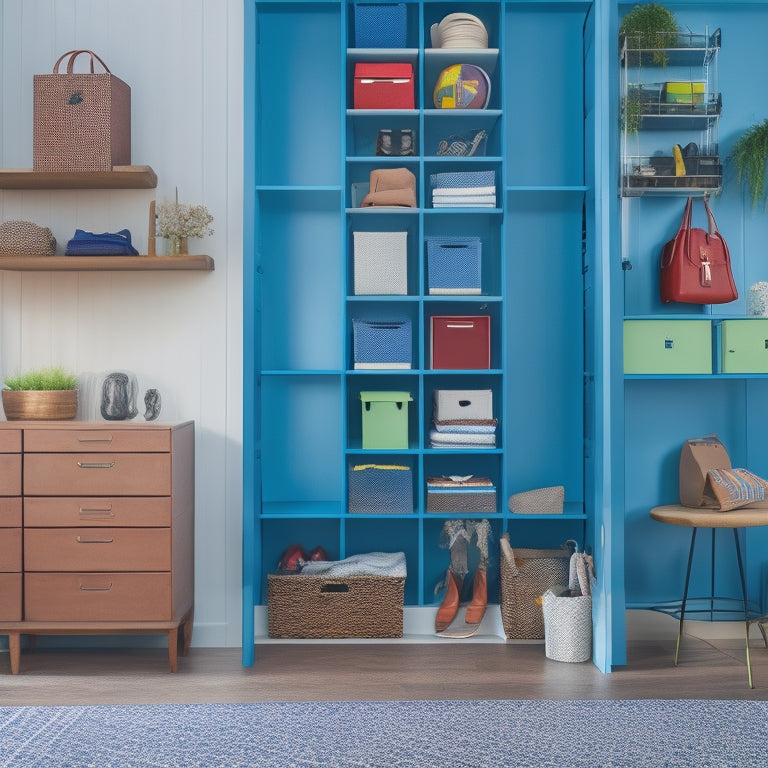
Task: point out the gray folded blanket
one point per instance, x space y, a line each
369 564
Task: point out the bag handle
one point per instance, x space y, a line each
72 56
685 226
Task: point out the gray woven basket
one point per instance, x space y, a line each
526 574
542 501
306 606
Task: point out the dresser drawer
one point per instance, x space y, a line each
10 474
10 597
10 550
97 474
97 549
46 440
125 512
97 597
10 512
10 441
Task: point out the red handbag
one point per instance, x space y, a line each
696 265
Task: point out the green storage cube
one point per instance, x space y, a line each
744 346
385 420
667 346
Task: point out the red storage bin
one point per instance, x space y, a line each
461 342
383 85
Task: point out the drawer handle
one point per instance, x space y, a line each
107 438
96 464
81 540
460 325
96 513
96 589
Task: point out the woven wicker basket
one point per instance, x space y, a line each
46 404
306 606
526 574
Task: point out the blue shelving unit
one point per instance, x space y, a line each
542 285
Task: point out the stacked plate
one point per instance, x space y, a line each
459 30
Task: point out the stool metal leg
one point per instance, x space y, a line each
685 595
744 593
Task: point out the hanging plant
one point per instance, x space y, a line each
631 114
750 156
650 26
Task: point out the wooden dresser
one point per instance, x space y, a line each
96 530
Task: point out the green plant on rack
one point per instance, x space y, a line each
649 27
631 114
750 156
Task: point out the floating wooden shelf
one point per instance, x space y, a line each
120 177
104 263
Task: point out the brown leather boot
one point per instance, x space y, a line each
447 611
476 609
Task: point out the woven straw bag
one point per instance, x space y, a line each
25 238
526 574
81 121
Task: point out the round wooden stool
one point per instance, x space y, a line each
675 514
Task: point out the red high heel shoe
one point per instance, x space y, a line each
447 611
476 609
290 559
318 553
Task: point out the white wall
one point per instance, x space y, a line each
179 331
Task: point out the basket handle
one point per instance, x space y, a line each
72 56
334 586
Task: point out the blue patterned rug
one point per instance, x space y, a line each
405 734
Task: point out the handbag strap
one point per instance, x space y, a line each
72 56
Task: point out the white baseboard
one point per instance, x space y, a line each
418 627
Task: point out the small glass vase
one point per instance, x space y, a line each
177 246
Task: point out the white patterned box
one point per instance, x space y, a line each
380 263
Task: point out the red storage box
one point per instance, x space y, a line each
383 85
461 342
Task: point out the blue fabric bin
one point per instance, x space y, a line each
380 489
382 344
454 265
380 26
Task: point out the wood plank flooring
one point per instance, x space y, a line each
380 671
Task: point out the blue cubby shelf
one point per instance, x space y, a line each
541 253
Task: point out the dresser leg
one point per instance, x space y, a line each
173 648
186 629
14 651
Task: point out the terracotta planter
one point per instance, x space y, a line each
50 404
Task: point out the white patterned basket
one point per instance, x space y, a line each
380 261
757 300
567 626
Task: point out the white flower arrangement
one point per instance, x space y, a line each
183 220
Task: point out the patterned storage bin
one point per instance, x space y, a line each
383 25
453 404
380 489
466 494
382 344
463 179
380 261
453 265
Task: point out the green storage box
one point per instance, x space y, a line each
667 346
385 420
744 346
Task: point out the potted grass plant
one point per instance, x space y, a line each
650 27
750 157
41 393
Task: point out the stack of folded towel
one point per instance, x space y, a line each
463 433
466 189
